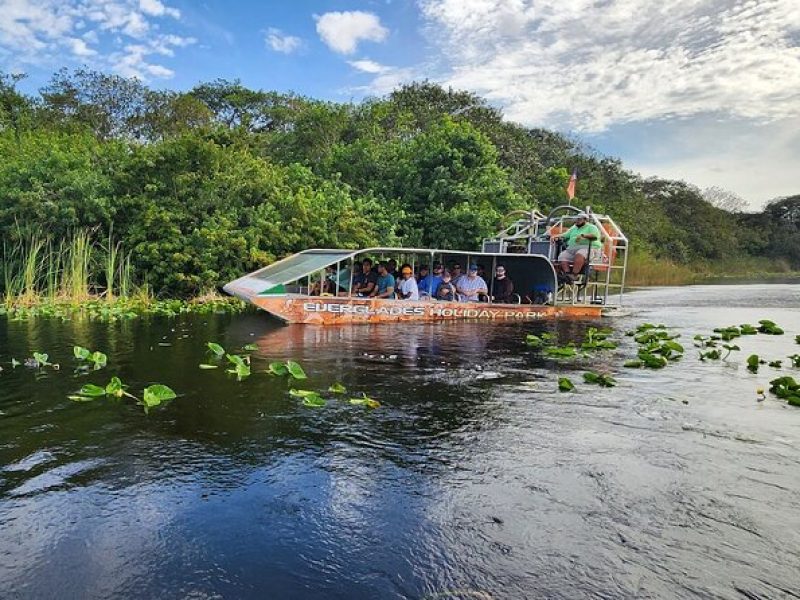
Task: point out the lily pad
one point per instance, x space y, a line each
565 385
302 393
41 358
295 370
337 388
91 390
115 387
156 394
314 401
600 379
99 359
277 368
205 366
250 347
81 353
216 348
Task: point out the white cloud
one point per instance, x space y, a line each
588 65
48 32
157 9
342 31
281 42
368 66
386 79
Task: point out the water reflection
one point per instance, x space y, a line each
475 476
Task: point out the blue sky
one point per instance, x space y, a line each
702 90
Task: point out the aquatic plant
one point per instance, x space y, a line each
600 379
337 388
565 384
787 389
241 366
775 364
250 347
747 329
295 370
797 339
769 327
795 358
596 340
753 362
365 401
205 366
216 348
90 391
567 351
96 358
277 368
155 394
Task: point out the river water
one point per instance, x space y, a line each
475 479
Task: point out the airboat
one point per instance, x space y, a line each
289 289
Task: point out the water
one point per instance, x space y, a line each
475 479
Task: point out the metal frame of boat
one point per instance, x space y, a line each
284 288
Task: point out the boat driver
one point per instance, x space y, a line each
579 240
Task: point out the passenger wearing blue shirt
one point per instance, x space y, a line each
429 284
385 286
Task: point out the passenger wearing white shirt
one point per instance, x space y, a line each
407 289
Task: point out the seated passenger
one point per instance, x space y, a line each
391 267
407 289
384 287
364 282
446 289
429 284
471 287
503 287
455 273
580 239
423 273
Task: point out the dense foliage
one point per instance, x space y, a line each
203 185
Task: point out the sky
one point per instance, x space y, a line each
707 91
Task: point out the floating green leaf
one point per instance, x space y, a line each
41 358
302 393
600 379
205 366
795 358
775 364
565 385
15 363
337 388
81 353
216 348
295 370
236 360
314 401
99 359
156 394
114 387
748 329
797 339
277 368
250 347
365 401
787 389
91 390
652 361
567 351
769 327
633 364
534 341
753 362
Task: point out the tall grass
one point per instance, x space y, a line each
645 269
76 269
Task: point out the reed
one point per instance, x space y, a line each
646 270
75 270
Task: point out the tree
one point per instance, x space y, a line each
724 199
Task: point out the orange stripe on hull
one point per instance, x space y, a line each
333 310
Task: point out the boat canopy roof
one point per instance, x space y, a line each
306 262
